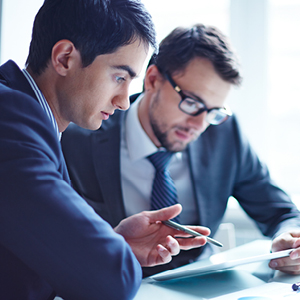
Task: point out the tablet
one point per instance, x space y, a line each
212 267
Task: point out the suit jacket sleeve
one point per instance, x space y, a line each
223 164
258 194
44 222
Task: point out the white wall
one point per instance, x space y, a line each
17 20
265 34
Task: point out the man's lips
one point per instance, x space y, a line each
183 134
106 115
186 134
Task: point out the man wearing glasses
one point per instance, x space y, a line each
185 89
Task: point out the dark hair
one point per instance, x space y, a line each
95 27
184 44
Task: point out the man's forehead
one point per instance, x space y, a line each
130 57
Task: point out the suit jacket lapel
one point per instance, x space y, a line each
198 165
107 167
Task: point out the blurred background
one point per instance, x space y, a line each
265 34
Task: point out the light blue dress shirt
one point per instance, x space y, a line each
137 172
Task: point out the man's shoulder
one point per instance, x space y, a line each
10 74
219 139
13 80
17 102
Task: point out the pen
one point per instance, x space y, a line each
190 231
296 286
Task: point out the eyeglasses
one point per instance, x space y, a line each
195 107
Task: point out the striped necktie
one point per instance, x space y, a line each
163 189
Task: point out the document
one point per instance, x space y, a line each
196 270
268 291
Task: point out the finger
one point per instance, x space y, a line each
296 244
283 262
295 234
286 241
164 214
294 270
295 254
164 255
201 229
172 245
186 244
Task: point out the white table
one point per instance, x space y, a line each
215 284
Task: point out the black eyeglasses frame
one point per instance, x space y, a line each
225 110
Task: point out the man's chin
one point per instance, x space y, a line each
97 126
177 147
91 125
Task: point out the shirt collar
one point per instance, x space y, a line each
42 100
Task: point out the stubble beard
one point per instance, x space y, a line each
159 132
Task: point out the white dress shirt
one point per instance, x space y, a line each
43 102
137 172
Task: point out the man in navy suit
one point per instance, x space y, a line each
182 109
82 58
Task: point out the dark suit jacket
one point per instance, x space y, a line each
222 164
51 241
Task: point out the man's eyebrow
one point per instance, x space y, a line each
126 68
195 97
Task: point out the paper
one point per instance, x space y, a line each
268 291
195 270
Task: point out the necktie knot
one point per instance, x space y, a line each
160 160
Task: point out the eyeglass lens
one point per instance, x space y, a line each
193 107
216 117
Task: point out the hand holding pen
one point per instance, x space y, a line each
193 233
151 241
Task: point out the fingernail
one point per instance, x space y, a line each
294 255
273 264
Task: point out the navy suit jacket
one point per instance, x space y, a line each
221 162
51 241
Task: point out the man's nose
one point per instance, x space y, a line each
121 101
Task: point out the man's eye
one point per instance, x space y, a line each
120 79
190 102
193 103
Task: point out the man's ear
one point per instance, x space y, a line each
152 78
64 56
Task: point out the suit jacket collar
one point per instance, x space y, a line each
109 160
12 76
200 164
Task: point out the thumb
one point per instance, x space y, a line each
164 214
295 234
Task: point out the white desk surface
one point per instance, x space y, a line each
220 283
